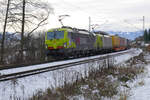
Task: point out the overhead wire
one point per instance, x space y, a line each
95 19
132 25
81 9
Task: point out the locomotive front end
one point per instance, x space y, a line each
56 41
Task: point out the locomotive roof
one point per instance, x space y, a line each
101 32
75 30
107 36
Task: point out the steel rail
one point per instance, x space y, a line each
12 76
12 66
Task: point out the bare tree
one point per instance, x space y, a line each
22 30
27 16
4 31
36 15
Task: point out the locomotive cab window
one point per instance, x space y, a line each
50 35
59 34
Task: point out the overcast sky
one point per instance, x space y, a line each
122 15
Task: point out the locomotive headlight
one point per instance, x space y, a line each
46 46
65 44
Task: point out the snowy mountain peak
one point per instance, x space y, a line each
128 35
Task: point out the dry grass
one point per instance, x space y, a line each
137 59
104 81
99 83
123 97
141 83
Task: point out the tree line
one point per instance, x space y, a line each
147 35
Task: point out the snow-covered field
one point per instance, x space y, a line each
122 58
24 88
140 88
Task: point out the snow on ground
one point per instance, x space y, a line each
127 56
141 86
15 70
24 88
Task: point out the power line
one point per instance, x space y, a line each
94 18
131 24
80 9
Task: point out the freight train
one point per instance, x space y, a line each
68 41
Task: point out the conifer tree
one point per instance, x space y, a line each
145 36
149 34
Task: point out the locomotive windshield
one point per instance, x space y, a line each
59 34
50 35
55 35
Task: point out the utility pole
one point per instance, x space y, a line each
4 32
143 23
89 24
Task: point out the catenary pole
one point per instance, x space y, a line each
89 23
143 23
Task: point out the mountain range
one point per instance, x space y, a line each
128 35
10 36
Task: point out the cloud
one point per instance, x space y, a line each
116 11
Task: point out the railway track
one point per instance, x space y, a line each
12 66
11 76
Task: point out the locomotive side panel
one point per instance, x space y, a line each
84 42
99 42
107 42
114 42
117 42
